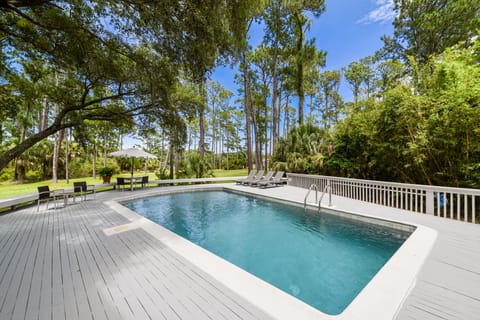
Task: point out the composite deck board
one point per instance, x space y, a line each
32 298
137 298
87 273
46 291
169 312
80 294
164 289
59 264
178 282
111 276
107 293
196 280
30 282
137 268
14 265
69 301
96 273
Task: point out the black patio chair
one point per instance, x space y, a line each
47 195
121 182
81 187
144 181
44 195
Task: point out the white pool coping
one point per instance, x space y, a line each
380 299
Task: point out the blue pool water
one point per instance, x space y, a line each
322 259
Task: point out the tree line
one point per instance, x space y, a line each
415 110
91 72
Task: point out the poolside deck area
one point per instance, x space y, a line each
62 264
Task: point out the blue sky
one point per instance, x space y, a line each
348 30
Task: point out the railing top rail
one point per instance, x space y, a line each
396 184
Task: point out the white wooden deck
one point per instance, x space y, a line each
59 264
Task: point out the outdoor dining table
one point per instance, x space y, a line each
63 194
133 180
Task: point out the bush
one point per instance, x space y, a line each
34 175
280 166
236 160
193 166
7 174
163 173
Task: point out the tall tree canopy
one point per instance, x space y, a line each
424 28
111 60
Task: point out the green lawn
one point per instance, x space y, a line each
230 173
9 189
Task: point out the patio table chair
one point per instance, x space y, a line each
47 195
44 195
121 182
81 187
144 181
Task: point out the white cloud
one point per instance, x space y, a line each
384 12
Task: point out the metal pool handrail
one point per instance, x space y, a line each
306 196
329 195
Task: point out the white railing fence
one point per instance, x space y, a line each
454 203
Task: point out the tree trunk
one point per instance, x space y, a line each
95 154
201 111
20 171
326 94
105 146
301 99
171 160
201 143
16 151
214 138
247 101
266 136
287 117
300 66
275 94
279 104
258 145
66 156
56 155
222 143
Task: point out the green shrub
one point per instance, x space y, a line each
7 174
163 173
34 175
280 166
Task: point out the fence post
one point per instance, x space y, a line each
329 193
430 208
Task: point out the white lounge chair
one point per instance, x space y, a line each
268 177
249 177
255 178
275 181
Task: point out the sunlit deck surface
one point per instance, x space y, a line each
60 264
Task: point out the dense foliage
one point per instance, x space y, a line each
426 134
77 76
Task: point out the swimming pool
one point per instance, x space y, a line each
322 259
